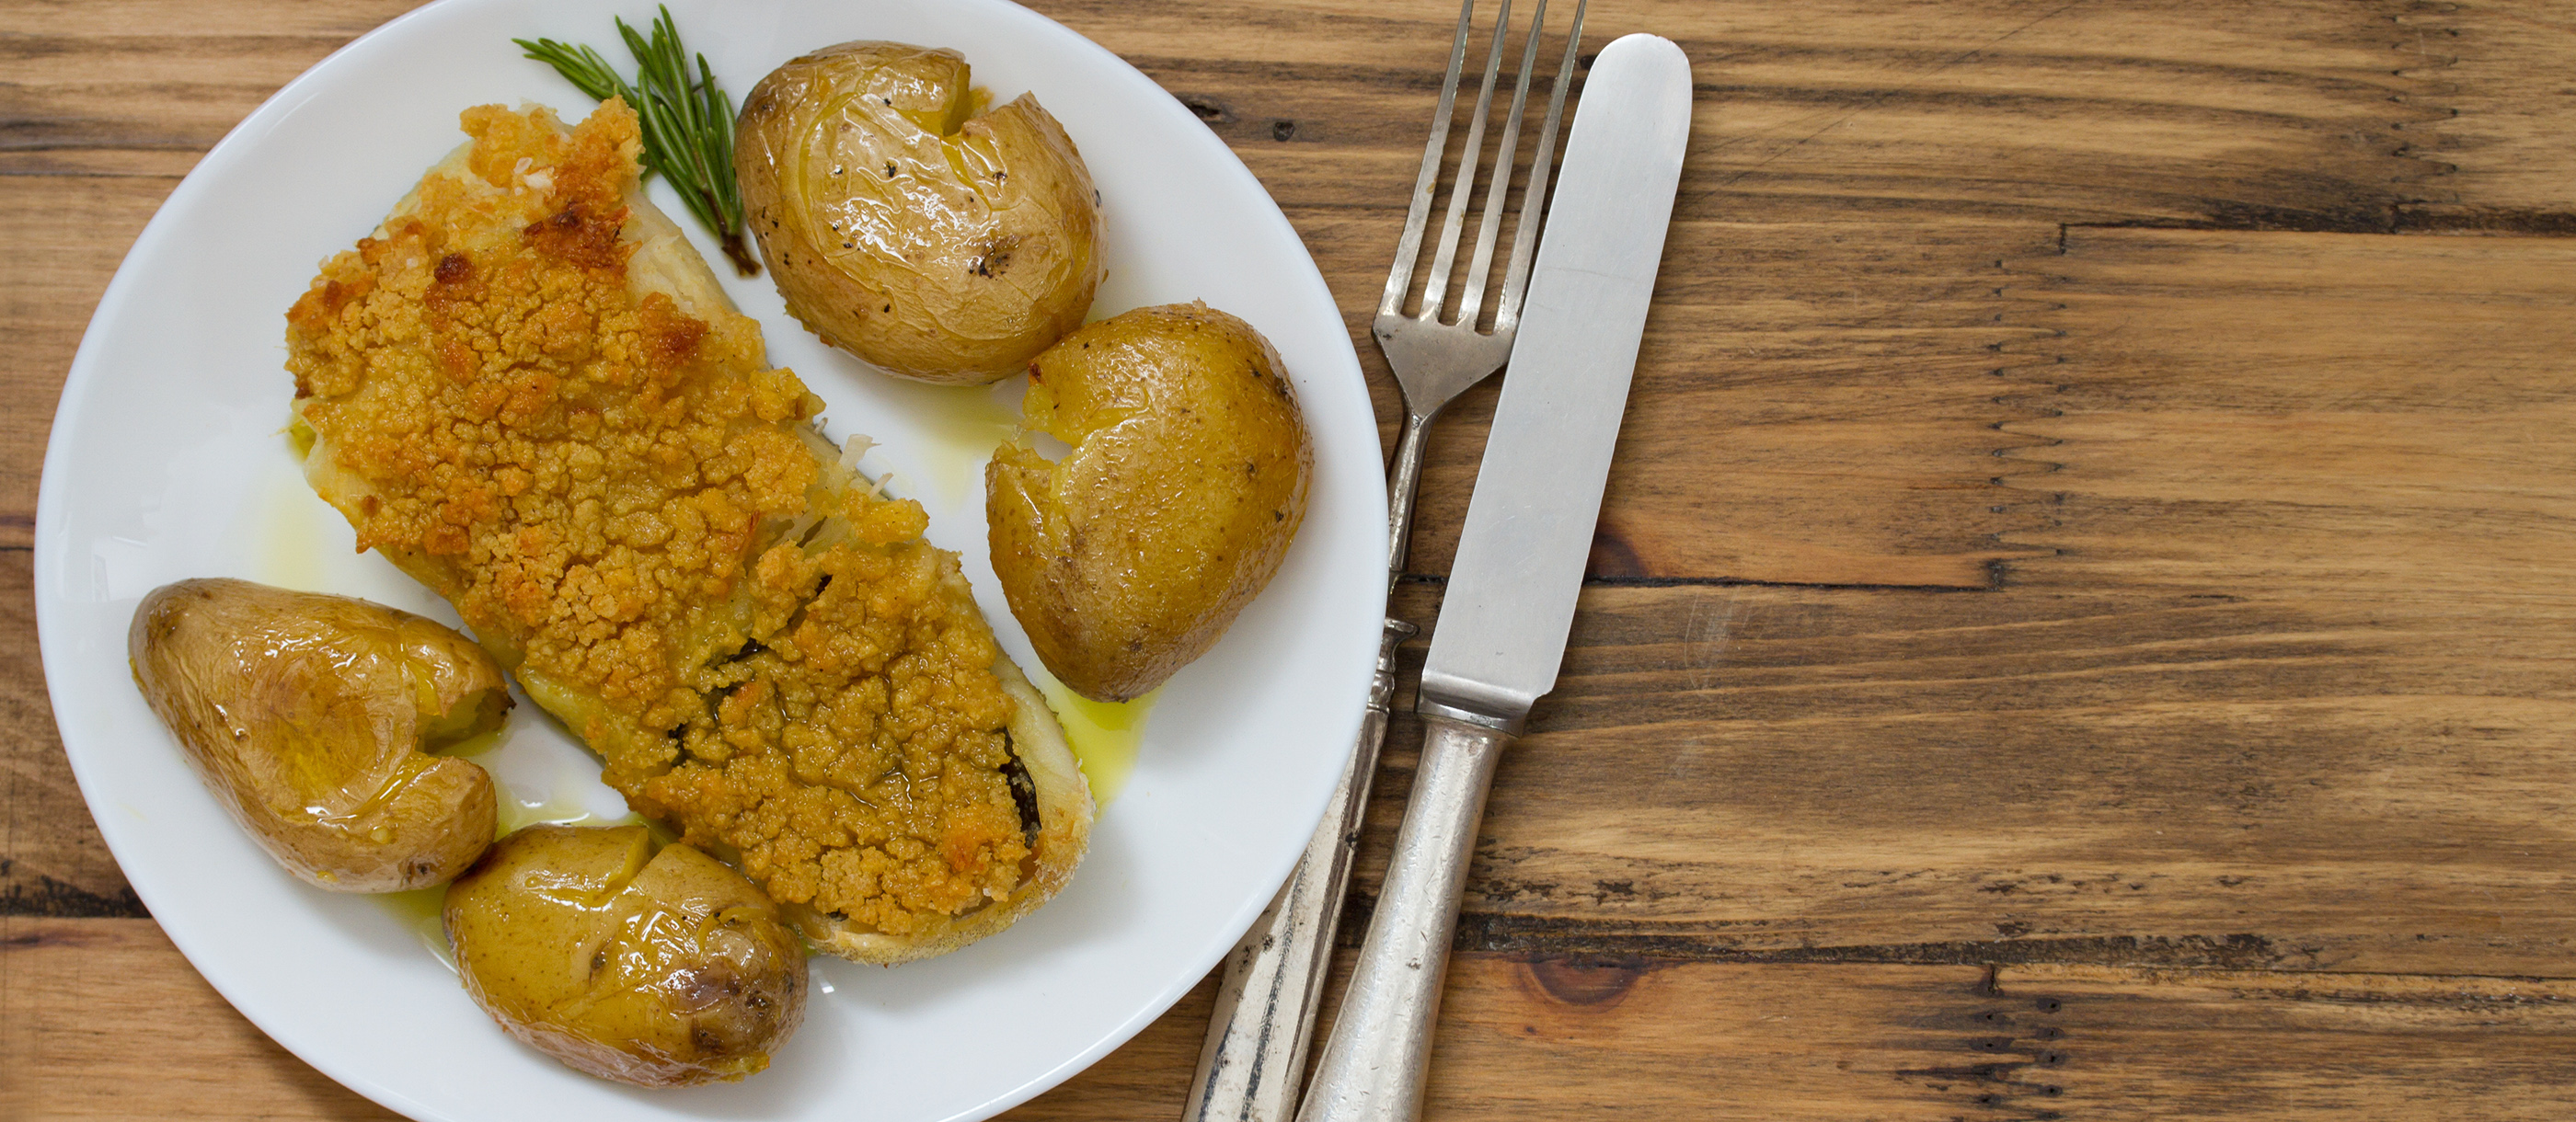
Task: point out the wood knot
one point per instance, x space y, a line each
1584 979
1207 108
1613 555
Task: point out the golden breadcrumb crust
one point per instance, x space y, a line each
617 496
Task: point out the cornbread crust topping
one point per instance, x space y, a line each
628 507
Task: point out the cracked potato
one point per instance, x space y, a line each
657 969
310 717
1186 479
907 225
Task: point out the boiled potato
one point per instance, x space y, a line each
1185 482
908 226
656 969
309 716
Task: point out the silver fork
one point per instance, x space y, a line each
1255 1056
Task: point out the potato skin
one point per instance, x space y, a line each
1186 480
306 714
937 242
656 969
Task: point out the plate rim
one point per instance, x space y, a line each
52 526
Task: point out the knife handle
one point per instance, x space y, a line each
1379 1054
1265 1008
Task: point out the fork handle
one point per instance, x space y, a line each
1264 1022
1255 1053
1403 478
1380 1051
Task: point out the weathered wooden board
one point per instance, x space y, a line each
68 233
145 88
2227 1044
2381 434
52 862
2497 68
102 1018
1615 1037
2040 109
1845 1042
2288 690
1772 774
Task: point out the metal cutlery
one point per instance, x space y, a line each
1510 599
1255 1054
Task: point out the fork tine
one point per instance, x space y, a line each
1534 201
1435 288
1471 298
1409 245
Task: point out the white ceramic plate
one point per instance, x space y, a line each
167 461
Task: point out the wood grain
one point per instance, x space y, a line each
105 1020
1616 1036
2289 688
71 231
2494 68
52 861
1844 1041
1770 774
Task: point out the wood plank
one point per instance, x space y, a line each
2494 66
1641 1038
2387 440
1618 1036
2262 113
2291 694
2246 1044
1746 773
52 861
2290 690
144 87
69 232
126 104
340 20
1650 1039
108 1021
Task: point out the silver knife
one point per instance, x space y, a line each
1510 600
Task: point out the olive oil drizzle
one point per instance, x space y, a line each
1105 734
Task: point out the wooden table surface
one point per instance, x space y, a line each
2081 624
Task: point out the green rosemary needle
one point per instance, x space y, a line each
687 122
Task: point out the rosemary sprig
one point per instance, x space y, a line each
687 122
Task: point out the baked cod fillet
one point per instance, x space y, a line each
528 392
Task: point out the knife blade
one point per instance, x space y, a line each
1510 601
